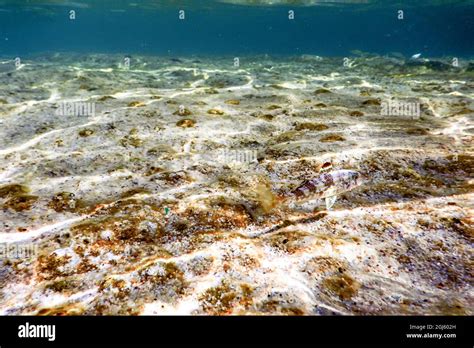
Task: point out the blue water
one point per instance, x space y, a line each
210 27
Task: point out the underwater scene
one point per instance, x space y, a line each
236 157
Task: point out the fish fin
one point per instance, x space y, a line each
330 201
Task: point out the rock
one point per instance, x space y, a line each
369 102
322 91
183 112
331 138
356 113
417 131
274 107
232 102
86 132
186 123
105 97
311 126
106 235
215 112
136 104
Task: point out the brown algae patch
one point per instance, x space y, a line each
290 241
165 280
342 285
225 298
20 202
64 201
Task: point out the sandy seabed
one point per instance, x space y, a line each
156 194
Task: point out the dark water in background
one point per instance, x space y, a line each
210 27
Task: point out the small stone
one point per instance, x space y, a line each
322 91
86 132
21 202
106 235
105 97
274 107
356 113
267 117
211 91
186 123
136 104
368 102
417 131
148 227
215 112
183 112
331 138
311 126
233 102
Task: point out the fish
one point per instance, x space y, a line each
328 185
416 56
